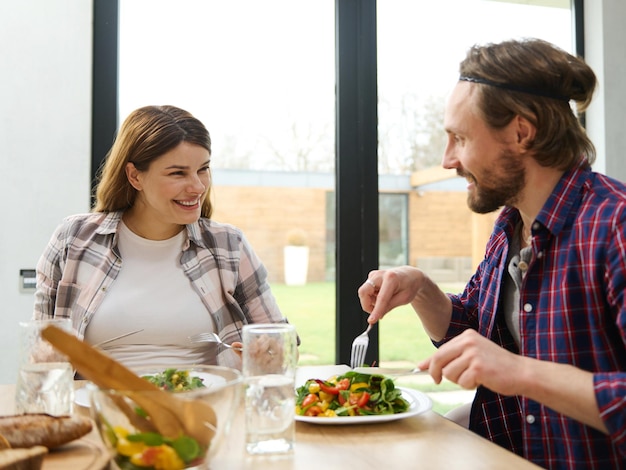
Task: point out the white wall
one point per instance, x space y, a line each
605 37
45 141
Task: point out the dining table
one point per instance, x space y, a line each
426 440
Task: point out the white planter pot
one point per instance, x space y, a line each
296 265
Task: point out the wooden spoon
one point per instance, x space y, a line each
170 415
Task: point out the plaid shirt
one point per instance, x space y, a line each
572 311
87 243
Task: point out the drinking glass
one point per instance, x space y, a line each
269 369
45 380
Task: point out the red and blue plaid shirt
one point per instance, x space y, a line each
572 311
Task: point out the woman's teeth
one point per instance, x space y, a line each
187 203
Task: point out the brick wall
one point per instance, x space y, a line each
440 224
266 215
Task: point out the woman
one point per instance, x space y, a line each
149 258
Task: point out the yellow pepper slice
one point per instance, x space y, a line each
357 386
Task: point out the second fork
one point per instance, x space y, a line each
359 348
211 338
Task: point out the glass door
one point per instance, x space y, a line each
261 77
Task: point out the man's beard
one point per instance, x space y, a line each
499 186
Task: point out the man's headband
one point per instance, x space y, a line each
511 87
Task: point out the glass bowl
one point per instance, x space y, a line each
142 434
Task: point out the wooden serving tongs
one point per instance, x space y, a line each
171 416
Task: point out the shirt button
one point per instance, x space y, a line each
530 419
540 254
528 308
536 226
523 266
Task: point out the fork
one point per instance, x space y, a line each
211 338
359 348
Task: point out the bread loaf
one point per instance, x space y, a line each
31 430
22 459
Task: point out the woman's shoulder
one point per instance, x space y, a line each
89 222
83 217
210 225
209 233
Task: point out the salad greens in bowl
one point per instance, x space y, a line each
133 428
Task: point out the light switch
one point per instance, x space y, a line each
28 280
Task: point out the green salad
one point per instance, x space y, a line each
138 450
350 394
175 380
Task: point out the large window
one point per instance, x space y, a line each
262 77
420 45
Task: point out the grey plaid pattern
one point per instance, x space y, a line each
82 261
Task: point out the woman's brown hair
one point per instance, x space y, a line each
536 80
146 134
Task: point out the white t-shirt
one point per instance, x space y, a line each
152 293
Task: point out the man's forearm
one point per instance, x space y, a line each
434 308
564 388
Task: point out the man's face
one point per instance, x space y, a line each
483 156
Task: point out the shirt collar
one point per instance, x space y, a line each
194 235
109 223
565 199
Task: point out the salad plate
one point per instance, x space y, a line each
418 403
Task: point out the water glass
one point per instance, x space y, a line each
269 369
45 380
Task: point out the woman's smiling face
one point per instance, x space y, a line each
171 191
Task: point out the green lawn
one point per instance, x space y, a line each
311 308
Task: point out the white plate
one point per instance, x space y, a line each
418 403
81 396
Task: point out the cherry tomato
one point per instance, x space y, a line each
309 400
313 411
365 397
359 399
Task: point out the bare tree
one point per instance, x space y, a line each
411 135
305 148
229 154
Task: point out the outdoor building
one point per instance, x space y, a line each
414 221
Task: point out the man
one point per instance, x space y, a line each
540 328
